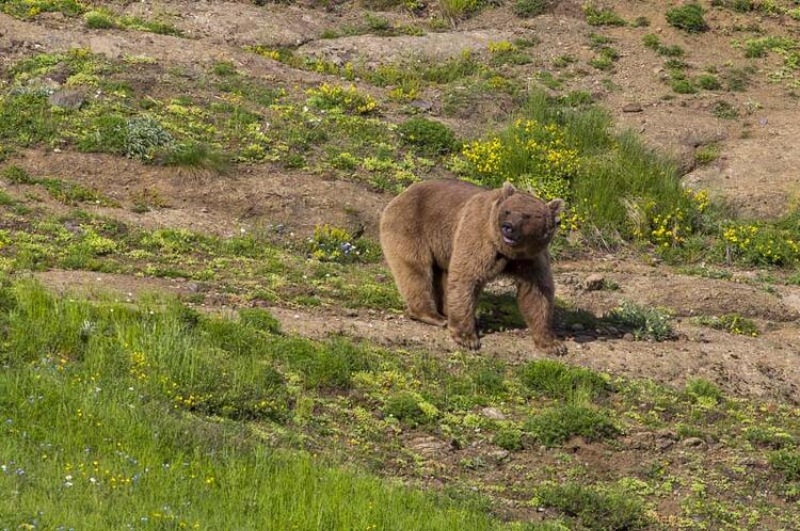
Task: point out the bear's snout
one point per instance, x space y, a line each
510 233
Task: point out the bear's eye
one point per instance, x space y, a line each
526 216
507 213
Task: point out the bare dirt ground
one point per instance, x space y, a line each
758 173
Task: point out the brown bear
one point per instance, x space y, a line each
444 240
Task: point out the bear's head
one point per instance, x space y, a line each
526 224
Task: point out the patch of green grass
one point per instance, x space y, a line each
644 323
29 9
427 137
558 381
707 154
102 18
700 389
708 82
652 41
601 16
555 425
529 8
596 508
110 405
66 192
769 437
725 110
459 9
683 86
731 323
787 462
688 17
754 48
410 407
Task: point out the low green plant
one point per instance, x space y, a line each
769 437
732 323
16 175
671 50
699 389
688 17
143 135
643 322
595 507
334 244
760 243
683 86
708 82
428 137
558 381
725 110
459 9
348 100
707 154
555 425
410 407
601 16
509 439
605 58
787 462
529 8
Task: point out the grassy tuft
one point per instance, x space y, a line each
557 424
596 508
558 381
688 17
644 323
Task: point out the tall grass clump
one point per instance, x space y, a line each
121 416
613 183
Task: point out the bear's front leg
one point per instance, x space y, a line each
470 268
462 295
536 300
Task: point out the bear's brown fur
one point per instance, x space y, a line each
444 240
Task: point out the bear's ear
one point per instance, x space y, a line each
508 190
556 207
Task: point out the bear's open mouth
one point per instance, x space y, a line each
510 241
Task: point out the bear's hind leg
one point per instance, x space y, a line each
416 285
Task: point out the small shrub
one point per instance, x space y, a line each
644 323
610 509
724 110
708 82
683 86
428 137
707 154
99 19
143 136
458 9
605 58
688 18
700 388
768 437
348 100
509 439
602 17
786 462
410 407
529 8
556 425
